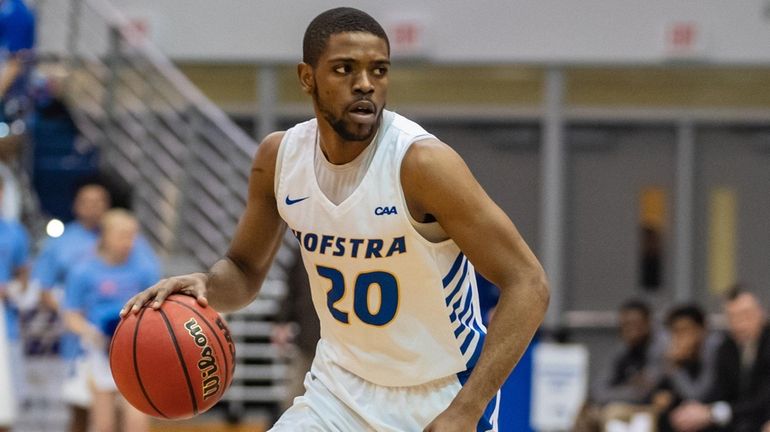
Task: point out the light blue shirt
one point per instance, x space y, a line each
99 290
60 255
14 253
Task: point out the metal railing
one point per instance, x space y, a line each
188 162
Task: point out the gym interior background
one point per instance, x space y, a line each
593 124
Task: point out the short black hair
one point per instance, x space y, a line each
690 311
333 21
638 306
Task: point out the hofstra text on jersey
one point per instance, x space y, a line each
350 247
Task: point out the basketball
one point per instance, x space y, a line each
175 362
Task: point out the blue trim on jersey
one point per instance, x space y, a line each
472 320
459 285
466 306
463 312
487 422
459 330
468 339
477 351
456 266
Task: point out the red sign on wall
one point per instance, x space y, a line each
684 39
408 36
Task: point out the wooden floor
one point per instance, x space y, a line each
206 426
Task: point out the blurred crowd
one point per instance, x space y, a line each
81 279
685 376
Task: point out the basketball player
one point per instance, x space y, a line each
388 219
14 253
96 289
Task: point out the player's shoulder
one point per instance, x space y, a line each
267 151
271 143
427 156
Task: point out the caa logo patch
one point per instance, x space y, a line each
380 211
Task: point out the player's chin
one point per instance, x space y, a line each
363 135
358 132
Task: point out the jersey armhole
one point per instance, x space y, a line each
279 163
431 233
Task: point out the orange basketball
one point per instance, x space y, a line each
175 362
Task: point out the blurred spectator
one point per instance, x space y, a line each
62 157
96 290
17 37
58 255
689 364
635 367
741 395
52 267
14 250
297 331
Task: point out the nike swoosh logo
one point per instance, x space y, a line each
290 201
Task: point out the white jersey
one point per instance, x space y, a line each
395 309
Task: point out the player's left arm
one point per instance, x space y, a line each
438 184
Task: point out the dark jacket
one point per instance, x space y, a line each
748 395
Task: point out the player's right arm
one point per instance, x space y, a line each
234 281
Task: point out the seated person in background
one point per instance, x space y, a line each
689 362
740 397
635 367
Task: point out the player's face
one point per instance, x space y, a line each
350 84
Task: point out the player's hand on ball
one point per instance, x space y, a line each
193 284
452 420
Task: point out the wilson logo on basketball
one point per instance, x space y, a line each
207 364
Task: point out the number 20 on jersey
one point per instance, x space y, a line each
384 282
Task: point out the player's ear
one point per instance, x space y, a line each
305 74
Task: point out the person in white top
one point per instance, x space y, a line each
389 220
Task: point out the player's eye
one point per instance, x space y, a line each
381 71
342 69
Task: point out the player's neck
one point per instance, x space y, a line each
337 150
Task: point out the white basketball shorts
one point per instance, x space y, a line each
336 400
